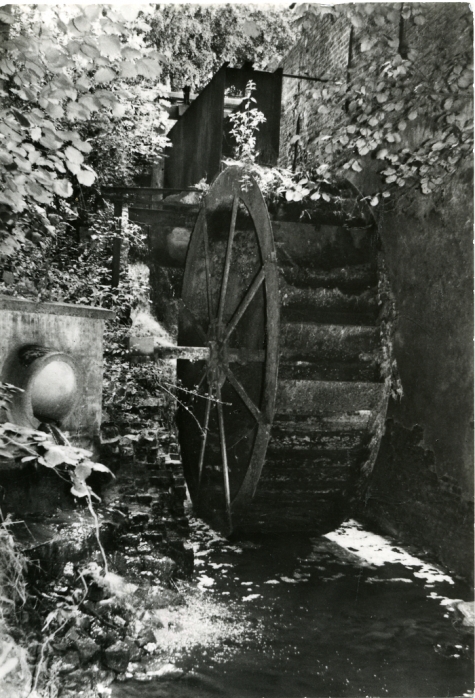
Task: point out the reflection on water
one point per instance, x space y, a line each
350 614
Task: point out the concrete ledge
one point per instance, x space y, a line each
22 305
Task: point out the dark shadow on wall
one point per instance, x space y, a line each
422 485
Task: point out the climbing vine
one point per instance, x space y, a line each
405 108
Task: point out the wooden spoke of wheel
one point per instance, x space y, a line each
208 271
204 439
224 457
238 356
207 296
250 293
255 411
227 261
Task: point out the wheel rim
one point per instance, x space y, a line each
230 304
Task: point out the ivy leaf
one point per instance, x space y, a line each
100 468
21 118
5 158
83 146
83 83
56 455
128 12
105 75
92 12
79 488
74 155
356 166
13 199
78 111
323 109
128 69
119 110
63 188
55 111
50 141
73 167
39 194
89 50
109 46
86 177
149 68
89 102
374 201
130 54
81 24
412 115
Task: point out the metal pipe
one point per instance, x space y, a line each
305 77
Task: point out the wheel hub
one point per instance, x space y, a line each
217 363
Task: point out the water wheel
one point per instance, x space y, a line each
281 393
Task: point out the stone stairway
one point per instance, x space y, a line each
330 390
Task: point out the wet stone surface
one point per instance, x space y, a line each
347 614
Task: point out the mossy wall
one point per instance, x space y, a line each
423 480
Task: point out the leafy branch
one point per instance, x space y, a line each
408 110
245 124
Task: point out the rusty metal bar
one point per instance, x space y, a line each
306 77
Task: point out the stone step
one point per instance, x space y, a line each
350 279
300 437
312 397
361 371
303 341
330 306
303 497
324 422
341 209
308 313
313 461
327 246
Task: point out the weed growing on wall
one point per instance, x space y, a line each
245 124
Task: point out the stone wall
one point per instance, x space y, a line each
422 487
76 332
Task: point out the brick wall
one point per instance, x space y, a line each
323 54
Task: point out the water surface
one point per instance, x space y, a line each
296 617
